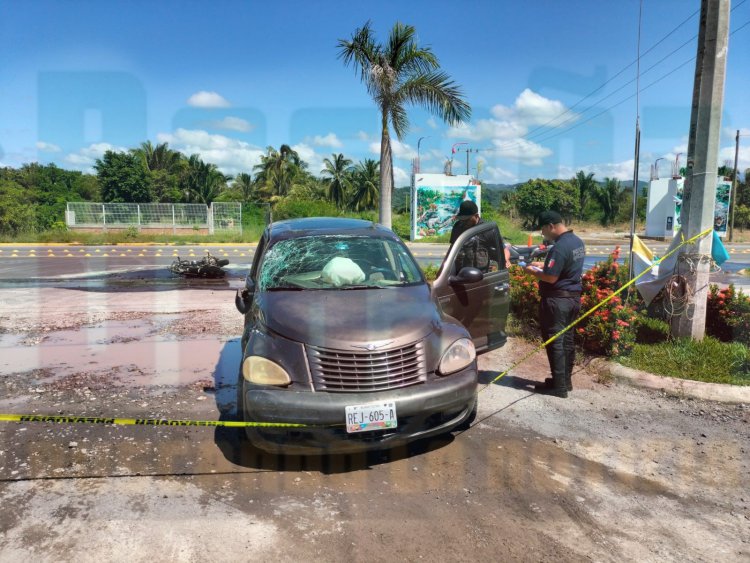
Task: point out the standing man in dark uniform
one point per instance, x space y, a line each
560 290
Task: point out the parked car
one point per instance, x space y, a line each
343 333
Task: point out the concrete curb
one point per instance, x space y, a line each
673 386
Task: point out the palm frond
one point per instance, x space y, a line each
438 94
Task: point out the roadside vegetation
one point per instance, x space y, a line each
626 331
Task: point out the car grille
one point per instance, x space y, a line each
346 371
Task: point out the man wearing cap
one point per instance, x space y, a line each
468 217
560 291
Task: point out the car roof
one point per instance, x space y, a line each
311 226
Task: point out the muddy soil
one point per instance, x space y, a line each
610 474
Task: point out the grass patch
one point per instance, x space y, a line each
707 360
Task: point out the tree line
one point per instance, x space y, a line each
33 197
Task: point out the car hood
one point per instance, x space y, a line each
351 319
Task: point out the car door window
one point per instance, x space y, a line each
483 251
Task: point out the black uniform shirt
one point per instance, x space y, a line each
565 261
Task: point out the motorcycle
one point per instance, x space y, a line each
528 254
207 267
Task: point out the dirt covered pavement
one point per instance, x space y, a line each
612 473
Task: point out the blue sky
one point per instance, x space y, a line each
225 79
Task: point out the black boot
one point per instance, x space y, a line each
561 392
549 384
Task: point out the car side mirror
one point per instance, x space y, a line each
467 275
244 297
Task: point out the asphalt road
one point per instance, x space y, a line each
610 474
146 264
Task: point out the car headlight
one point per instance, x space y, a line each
262 371
459 355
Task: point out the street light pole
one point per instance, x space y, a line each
656 168
734 185
453 151
419 162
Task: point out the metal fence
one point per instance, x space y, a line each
155 217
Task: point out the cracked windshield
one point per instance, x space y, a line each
329 262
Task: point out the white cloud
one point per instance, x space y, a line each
732 133
313 159
230 123
521 150
399 149
205 99
497 175
509 124
362 136
231 156
400 177
47 147
85 158
531 108
743 158
622 171
432 123
330 140
485 129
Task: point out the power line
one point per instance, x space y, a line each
518 144
530 135
587 96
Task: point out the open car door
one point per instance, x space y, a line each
474 285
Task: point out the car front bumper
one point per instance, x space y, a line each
423 410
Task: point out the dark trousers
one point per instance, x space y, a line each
555 314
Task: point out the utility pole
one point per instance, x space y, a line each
699 195
734 185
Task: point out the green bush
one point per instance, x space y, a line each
728 315
401 225
292 209
430 271
650 330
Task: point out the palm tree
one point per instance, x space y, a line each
159 157
278 170
586 187
366 178
203 180
246 186
337 173
396 74
608 196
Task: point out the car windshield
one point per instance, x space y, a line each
337 262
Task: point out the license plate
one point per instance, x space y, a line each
375 416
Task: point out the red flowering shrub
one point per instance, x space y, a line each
610 330
524 297
728 315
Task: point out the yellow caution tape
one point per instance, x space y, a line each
141 421
595 307
61 419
